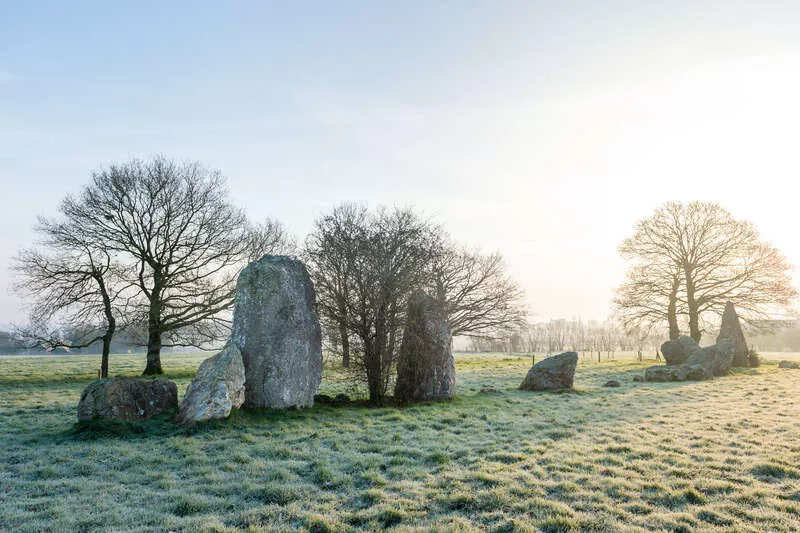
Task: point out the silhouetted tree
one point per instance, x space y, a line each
717 258
650 297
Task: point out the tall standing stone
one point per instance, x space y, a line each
277 331
731 330
426 369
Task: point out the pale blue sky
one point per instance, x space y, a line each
543 130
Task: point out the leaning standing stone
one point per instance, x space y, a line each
127 399
426 369
217 388
556 372
277 331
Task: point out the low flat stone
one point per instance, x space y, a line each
612 383
686 372
127 399
556 372
788 365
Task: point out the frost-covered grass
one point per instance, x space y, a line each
719 455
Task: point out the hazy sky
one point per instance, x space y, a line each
543 130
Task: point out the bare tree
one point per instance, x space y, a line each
480 298
718 258
330 252
186 242
78 286
365 266
650 297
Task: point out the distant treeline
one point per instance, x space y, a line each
13 345
607 337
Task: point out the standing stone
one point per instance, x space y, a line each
217 388
731 330
426 369
277 331
556 372
675 352
127 399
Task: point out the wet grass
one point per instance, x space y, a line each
712 456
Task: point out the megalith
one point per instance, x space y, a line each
277 332
426 368
127 398
217 388
703 363
731 330
677 351
716 359
556 372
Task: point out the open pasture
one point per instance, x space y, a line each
718 455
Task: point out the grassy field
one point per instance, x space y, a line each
720 455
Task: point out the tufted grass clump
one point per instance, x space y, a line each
719 455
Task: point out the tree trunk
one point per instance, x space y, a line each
107 348
691 303
153 353
154 330
111 323
345 345
672 310
104 358
372 362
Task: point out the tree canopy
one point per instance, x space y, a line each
689 260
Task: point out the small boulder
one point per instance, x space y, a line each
323 399
426 369
217 388
556 372
127 399
612 383
788 365
341 399
731 330
677 351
